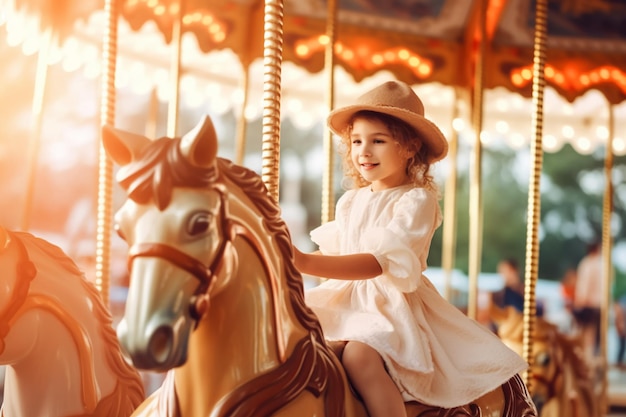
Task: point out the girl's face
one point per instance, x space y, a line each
376 155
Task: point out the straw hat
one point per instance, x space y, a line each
397 99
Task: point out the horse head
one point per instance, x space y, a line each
170 234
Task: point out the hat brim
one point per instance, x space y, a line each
428 132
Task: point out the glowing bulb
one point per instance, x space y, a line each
458 124
619 146
567 131
602 132
517 140
550 143
502 126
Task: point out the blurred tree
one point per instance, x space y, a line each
571 209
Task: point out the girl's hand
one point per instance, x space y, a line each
348 267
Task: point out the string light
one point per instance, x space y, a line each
572 80
362 57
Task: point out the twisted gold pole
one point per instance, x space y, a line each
534 196
476 193
273 57
105 167
328 196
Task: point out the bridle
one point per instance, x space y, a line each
203 273
25 273
231 229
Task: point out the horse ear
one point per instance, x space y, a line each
199 145
123 147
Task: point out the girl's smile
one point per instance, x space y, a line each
376 155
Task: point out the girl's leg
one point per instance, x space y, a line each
368 375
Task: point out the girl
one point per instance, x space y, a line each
398 339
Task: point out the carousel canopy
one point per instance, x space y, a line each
418 41
431 44
421 41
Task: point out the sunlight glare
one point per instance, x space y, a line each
619 146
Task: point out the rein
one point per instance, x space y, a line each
199 270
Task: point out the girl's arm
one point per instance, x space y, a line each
348 267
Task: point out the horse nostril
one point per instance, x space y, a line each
160 345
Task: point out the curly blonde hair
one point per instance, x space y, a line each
418 167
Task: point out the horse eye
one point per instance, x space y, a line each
198 223
542 359
119 231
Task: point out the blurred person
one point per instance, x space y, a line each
588 299
511 294
568 288
568 291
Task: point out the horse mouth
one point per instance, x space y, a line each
159 351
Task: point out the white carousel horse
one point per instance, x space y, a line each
215 297
61 353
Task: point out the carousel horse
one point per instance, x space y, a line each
563 383
61 352
215 298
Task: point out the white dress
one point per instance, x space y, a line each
434 353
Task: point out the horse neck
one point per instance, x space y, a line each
263 242
58 371
243 333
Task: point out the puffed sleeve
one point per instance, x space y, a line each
401 247
328 236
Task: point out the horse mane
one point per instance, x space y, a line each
152 177
129 391
311 366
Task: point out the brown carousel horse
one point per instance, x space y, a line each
215 297
563 382
61 353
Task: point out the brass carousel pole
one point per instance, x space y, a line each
41 78
174 96
607 269
328 196
449 204
105 167
242 123
272 63
534 195
475 197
